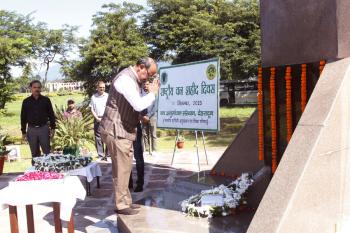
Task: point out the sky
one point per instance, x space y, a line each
58 12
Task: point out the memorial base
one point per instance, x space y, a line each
161 211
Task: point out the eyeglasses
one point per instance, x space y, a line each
102 87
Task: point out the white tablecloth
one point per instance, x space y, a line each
90 171
65 193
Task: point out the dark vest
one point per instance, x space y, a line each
120 119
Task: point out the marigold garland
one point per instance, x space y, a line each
303 87
322 64
273 119
260 114
289 118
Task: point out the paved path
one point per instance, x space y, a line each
95 214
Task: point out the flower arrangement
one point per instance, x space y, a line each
60 163
218 201
38 175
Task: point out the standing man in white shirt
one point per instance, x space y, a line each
98 105
118 125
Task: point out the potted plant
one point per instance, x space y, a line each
180 142
72 133
3 152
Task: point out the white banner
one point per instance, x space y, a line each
188 96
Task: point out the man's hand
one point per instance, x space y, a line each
24 137
145 119
52 133
154 86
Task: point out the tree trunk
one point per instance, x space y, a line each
47 70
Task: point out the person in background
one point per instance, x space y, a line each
36 116
98 105
140 164
119 122
72 111
149 126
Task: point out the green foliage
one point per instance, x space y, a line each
18 42
181 138
3 143
56 42
51 94
184 31
115 42
72 132
63 92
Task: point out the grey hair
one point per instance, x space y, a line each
146 61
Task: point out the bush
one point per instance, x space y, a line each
51 94
63 92
21 96
72 132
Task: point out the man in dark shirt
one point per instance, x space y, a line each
36 113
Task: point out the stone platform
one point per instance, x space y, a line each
161 211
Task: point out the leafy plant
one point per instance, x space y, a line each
72 132
3 143
181 138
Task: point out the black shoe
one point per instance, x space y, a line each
127 211
138 188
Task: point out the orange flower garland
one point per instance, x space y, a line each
289 118
322 64
260 115
303 87
273 119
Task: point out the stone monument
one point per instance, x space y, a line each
306 124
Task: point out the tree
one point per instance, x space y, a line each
56 42
115 42
185 31
24 79
19 40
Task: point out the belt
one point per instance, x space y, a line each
36 126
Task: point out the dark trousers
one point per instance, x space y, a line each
38 137
138 154
101 149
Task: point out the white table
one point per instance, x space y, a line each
63 195
90 172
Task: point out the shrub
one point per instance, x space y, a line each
72 132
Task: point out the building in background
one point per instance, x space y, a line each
60 84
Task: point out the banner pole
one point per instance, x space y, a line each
205 149
177 137
199 168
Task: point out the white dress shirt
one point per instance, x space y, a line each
126 86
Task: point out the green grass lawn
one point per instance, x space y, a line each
231 121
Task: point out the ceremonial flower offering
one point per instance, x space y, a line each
60 163
218 201
38 175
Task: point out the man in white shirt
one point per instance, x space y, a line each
118 125
98 105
